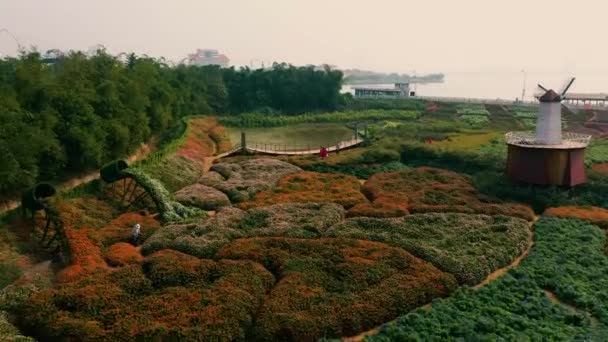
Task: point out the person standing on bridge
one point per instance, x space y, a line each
323 152
338 147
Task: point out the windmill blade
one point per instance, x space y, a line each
567 86
541 87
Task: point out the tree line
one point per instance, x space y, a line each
79 111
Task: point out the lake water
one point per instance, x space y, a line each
507 85
302 135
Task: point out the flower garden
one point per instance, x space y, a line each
262 248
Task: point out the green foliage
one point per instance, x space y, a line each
567 259
80 112
474 119
264 120
203 239
387 104
597 152
468 246
170 210
496 184
283 87
9 272
359 170
380 155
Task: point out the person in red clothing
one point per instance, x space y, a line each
323 152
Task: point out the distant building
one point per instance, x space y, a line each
400 90
208 57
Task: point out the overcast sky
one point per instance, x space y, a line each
382 35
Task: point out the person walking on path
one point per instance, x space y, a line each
338 147
135 234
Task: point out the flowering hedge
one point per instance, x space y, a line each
197 142
427 189
566 263
595 215
336 287
170 210
203 239
122 253
145 303
468 246
243 180
85 256
303 187
119 229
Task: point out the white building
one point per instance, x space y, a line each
208 57
400 90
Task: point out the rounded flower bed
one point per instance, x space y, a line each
243 180
304 220
119 229
427 189
468 246
303 187
122 253
336 287
155 302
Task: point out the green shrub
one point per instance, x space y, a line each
380 155
567 260
468 246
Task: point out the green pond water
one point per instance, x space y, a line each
301 135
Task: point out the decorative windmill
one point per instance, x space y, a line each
548 156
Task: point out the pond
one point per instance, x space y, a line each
302 135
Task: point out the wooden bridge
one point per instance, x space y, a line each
289 149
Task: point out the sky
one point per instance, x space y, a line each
380 35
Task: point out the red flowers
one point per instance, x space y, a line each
428 189
306 187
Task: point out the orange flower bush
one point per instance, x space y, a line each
197 143
428 189
595 215
601 168
85 256
155 302
305 187
336 287
122 253
119 229
220 137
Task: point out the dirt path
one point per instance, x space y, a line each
491 277
502 271
143 151
553 298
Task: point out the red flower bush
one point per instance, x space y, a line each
307 187
430 190
137 303
122 253
202 137
85 256
601 168
119 229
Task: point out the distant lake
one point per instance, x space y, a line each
505 85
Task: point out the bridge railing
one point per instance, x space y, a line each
300 148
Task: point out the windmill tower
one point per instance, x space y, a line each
548 156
